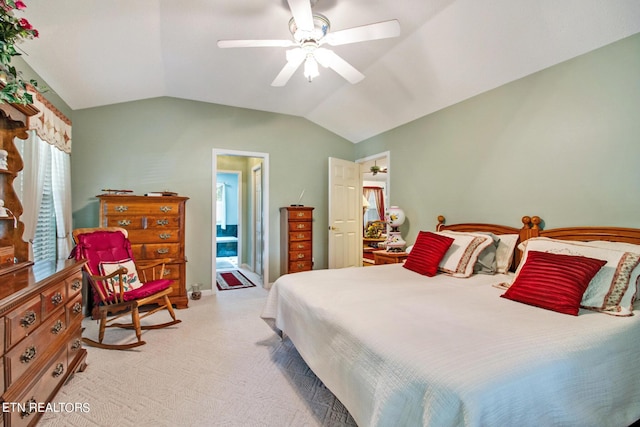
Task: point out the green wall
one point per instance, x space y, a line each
563 144
167 144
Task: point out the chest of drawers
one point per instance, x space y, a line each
156 227
41 321
296 239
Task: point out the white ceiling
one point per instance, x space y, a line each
100 52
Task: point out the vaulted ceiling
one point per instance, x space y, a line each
100 52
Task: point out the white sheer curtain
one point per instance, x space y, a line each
36 154
61 187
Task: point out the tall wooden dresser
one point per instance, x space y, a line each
156 227
296 239
41 321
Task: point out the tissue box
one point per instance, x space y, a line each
6 256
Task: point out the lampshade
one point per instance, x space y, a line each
395 216
311 67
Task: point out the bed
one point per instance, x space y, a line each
400 348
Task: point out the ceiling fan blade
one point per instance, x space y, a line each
255 43
328 58
380 30
302 14
294 59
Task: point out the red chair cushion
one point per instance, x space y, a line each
101 246
145 290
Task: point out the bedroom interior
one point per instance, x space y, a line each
468 133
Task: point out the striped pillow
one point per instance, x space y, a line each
553 281
427 253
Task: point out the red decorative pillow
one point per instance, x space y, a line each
553 281
427 253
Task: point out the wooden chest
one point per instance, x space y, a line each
296 239
156 227
41 322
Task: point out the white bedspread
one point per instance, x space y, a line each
400 349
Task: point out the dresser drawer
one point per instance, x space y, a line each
296 266
295 256
74 311
300 226
41 392
28 351
53 298
74 285
21 321
155 251
155 235
295 236
126 221
172 271
302 215
124 208
302 245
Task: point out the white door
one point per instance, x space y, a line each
257 219
345 214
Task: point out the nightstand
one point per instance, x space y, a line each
384 257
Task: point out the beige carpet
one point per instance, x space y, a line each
222 366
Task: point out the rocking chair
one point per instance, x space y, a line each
116 288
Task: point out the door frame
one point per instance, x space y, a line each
238 209
254 212
265 208
387 155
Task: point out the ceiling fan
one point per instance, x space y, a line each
310 32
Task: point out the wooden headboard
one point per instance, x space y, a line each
530 228
613 234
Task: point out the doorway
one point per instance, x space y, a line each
229 228
252 170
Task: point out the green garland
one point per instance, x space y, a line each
12 31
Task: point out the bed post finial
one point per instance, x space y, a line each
441 220
536 222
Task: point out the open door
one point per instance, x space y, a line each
345 214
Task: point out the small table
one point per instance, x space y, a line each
384 257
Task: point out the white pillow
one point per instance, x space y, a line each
131 280
505 251
613 289
463 252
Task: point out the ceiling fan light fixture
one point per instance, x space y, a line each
311 68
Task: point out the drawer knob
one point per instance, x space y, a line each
29 407
162 222
28 319
57 327
76 345
165 236
77 308
165 209
163 251
29 354
59 370
77 284
121 208
57 298
124 222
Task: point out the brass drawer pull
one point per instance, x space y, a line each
57 298
28 319
162 222
76 345
29 408
165 209
165 236
28 355
301 226
77 308
57 327
300 246
163 251
124 222
300 256
59 370
167 272
300 236
121 208
300 214
301 265
77 284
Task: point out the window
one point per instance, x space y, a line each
44 241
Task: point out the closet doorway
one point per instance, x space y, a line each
250 228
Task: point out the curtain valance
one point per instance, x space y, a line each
50 124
